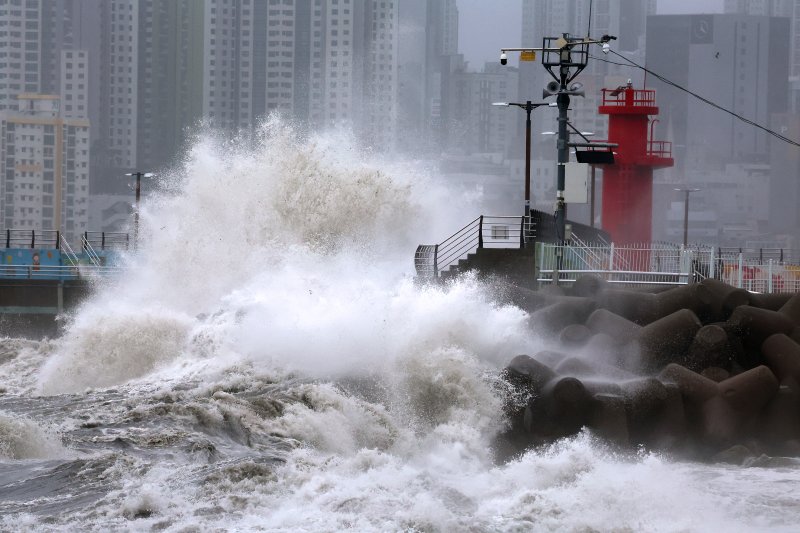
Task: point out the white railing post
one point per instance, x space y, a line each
686 263
769 282
711 264
611 257
739 284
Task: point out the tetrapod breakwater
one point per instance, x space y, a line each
704 369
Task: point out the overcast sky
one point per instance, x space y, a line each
488 25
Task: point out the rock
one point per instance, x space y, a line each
735 455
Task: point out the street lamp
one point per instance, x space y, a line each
139 176
528 107
686 190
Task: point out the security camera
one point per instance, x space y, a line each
503 58
606 48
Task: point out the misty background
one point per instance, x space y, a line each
93 89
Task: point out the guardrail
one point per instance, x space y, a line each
488 231
663 264
626 96
483 232
106 240
57 272
659 148
28 238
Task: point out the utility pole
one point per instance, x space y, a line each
564 58
528 107
686 191
138 188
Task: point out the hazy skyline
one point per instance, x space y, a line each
485 27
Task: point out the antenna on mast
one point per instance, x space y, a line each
589 29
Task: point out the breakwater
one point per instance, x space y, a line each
703 369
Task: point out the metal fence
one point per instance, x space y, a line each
664 264
57 272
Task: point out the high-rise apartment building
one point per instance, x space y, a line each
74 83
426 51
473 124
20 50
229 63
147 73
738 61
774 8
44 167
119 122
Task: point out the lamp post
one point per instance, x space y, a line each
139 176
528 107
686 191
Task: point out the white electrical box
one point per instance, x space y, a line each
576 183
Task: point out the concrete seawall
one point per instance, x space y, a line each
28 307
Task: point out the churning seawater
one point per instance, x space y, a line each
267 363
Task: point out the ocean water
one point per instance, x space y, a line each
266 363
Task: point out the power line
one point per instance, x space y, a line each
701 98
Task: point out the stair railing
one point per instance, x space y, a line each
430 260
87 247
67 250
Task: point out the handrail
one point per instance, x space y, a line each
87 247
431 260
659 148
56 271
635 97
106 240
67 250
586 249
27 238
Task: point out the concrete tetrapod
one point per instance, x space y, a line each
694 296
667 339
782 355
791 309
635 306
753 325
709 347
772 301
566 311
736 381
724 299
781 420
562 409
617 327
609 419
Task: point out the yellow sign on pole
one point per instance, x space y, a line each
527 55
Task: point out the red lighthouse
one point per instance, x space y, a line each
628 183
